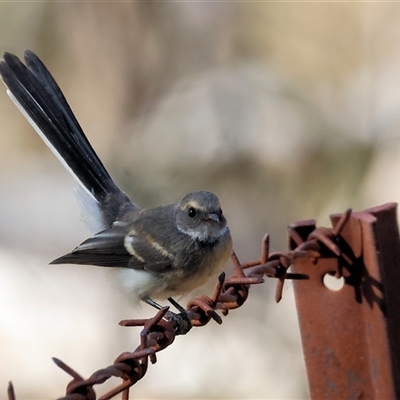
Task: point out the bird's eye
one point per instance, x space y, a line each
191 212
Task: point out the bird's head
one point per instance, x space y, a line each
199 215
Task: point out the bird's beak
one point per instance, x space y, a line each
212 217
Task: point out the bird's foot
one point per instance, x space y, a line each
182 321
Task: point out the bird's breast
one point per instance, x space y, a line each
194 270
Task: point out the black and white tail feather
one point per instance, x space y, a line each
39 98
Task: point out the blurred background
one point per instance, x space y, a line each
287 111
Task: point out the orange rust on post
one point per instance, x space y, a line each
351 336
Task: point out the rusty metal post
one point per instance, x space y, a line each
351 337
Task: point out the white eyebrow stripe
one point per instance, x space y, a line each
194 204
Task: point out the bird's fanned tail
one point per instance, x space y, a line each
39 98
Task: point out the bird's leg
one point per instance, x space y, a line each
182 320
176 305
151 302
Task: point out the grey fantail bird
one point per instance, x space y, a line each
164 251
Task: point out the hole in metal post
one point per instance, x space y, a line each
333 283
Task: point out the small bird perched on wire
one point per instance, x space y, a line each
164 251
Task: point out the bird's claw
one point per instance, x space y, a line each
182 322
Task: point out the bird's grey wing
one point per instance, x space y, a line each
117 247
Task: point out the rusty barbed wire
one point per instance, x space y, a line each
230 293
